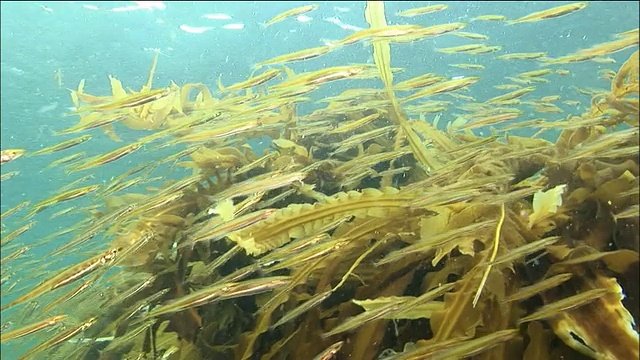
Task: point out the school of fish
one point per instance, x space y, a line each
366 229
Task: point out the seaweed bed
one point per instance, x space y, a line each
359 234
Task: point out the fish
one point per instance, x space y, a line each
485 49
321 76
63 212
422 10
126 102
205 136
428 32
418 82
67 276
269 182
220 231
460 49
251 82
9 175
465 348
535 73
14 234
438 240
302 308
490 18
566 304
468 66
161 200
381 32
11 155
6 326
296 56
32 328
64 336
522 56
70 295
443 87
72 184
92 121
107 158
381 312
63 145
290 13
550 13
66 196
355 124
219 292
15 209
88 232
489 120
470 35
543 285
511 95
507 87
145 284
14 255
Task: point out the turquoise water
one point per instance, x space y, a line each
89 40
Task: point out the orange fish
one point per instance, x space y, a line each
10 155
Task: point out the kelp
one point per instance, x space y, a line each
299 220
352 231
374 14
